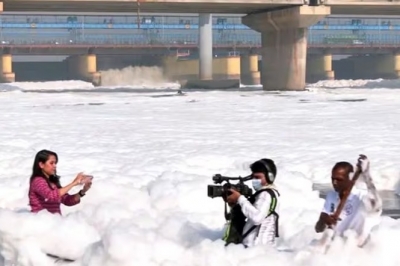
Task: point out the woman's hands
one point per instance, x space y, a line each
78 179
87 186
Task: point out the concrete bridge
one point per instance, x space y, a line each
283 25
363 7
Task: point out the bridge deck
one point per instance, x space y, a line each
147 6
346 7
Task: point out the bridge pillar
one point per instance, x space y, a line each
319 67
396 65
6 73
284 44
84 67
205 47
387 66
249 73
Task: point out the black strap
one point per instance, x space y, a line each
57 258
271 211
249 231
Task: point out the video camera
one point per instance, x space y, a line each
214 191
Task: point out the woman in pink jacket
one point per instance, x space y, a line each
45 190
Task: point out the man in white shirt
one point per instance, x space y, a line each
362 209
262 209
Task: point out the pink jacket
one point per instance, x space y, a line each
41 197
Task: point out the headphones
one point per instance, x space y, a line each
271 176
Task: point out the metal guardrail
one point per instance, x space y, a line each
182 30
327 40
224 22
91 26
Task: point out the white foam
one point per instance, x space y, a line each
357 83
250 86
153 157
138 77
46 85
134 79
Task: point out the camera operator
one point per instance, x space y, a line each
261 208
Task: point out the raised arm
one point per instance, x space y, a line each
372 200
71 200
41 187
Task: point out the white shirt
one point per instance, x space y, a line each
256 213
357 214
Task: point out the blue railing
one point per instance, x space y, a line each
89 26
224 22
179 39
24 29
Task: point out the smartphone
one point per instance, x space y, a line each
88 178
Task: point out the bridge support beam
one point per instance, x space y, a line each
6 73
84 67
249 73
284 44
205 47
319 67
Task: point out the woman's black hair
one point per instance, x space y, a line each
42 157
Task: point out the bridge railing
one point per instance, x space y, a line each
171 39
69 26
177 22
